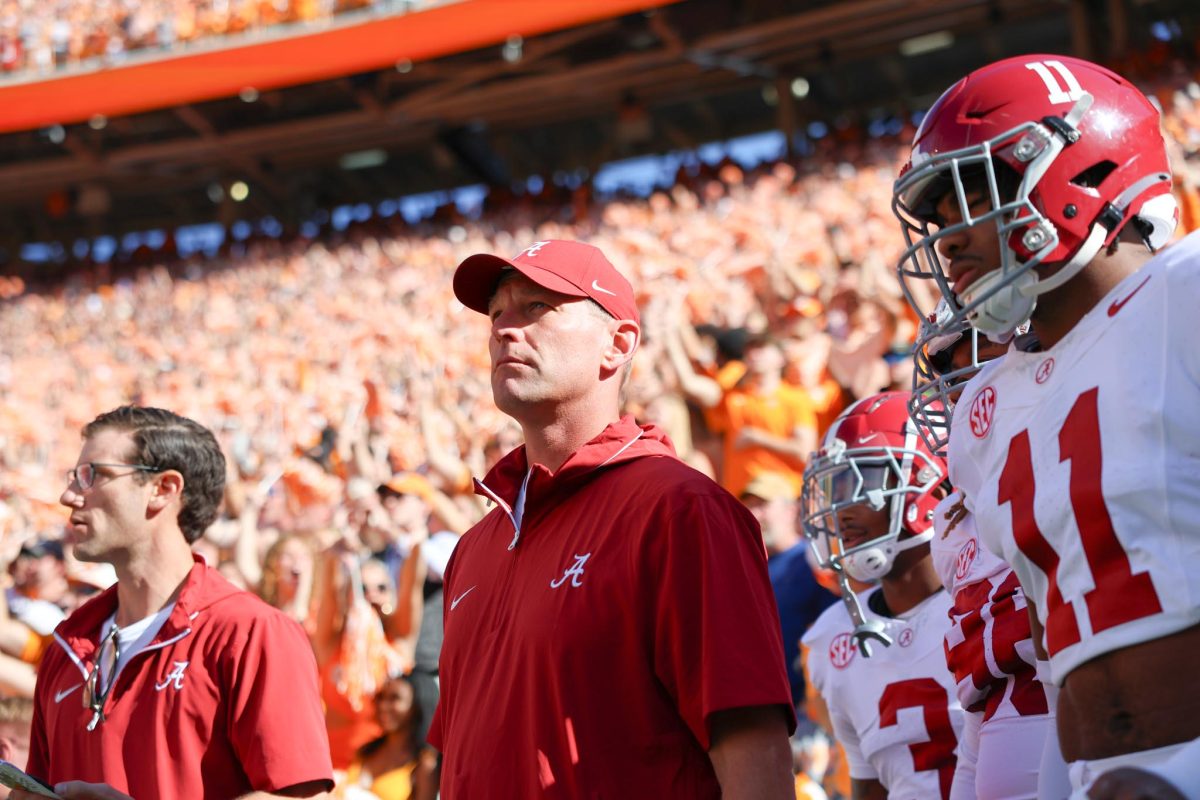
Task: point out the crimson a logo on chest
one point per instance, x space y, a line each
1044 371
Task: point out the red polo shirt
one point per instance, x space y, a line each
584 656
222 702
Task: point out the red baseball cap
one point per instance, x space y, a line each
571 268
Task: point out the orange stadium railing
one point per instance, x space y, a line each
343 49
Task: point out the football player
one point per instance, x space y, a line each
1008 748
1038 188
877 658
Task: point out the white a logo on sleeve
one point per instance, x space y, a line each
174 677
574 572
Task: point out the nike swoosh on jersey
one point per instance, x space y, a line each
454 603
59 696
1117 305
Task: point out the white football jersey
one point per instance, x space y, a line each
895 713
988 644
1082 465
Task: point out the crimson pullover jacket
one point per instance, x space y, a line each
587 646
222 702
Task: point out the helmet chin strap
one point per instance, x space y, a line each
872 563
1000 315
868 630
865 630
1007 308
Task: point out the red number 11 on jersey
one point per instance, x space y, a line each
1119 595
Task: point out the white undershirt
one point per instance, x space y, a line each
131 640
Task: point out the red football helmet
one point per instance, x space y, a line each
872 455
1066 152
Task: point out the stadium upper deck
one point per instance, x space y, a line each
505 99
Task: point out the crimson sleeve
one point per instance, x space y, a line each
38 764
277 726
717 642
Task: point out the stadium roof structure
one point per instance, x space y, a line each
488 98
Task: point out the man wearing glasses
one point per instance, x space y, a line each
173 683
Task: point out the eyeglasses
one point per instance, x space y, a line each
98 698
84 476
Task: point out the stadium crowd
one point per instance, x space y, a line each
40 37
347 387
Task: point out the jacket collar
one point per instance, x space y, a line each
201 588
620 442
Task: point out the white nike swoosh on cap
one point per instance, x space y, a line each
865 439
600 288
58 696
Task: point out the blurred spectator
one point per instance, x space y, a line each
287 578
772 500
353 655
811 752
16 718
39 586
767 424
798 594
396 765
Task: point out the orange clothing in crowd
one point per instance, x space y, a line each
727 377
828 399
393 785
785 411
808 789
35 645
349 680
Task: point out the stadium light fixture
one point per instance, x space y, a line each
215 192
98 122
248 94
800 88
513 49
404 66
926 43
57 134
239 191
770 94
363 159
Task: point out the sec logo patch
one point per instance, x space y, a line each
966 557
842 650
982 411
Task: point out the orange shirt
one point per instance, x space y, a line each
781 413
828 399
